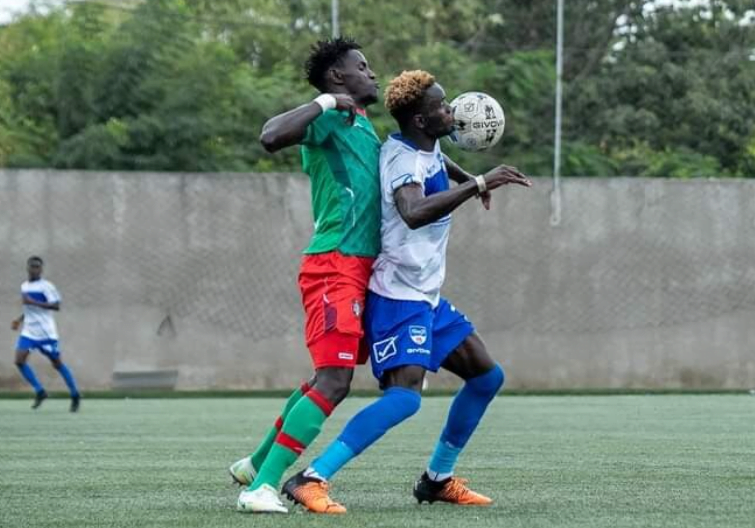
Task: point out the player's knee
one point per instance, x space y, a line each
57 364
334 393
334 384
339 393
413 380
404 402
408 377
500 376
490 382
19 363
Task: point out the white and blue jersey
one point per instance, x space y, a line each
407 322
412 263
39 330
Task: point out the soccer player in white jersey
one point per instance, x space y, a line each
409 327
39 332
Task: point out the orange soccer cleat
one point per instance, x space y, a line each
452 489
311 493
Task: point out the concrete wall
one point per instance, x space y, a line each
643 283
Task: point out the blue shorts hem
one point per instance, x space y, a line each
47 347
404 333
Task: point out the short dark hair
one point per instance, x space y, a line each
35 258
323 56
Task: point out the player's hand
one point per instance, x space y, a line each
503 175
486 197
15 324
347 103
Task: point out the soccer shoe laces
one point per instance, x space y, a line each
316 494
457 488
457 491
315 491
271 494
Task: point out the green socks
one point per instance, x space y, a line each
300 428
259 455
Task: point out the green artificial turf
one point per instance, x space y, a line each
587 461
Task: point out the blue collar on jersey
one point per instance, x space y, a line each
406 141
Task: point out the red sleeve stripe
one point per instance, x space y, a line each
289 442
304 387
321 401
279 423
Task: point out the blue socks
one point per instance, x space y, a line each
396 405
443 461
28 373
365 428
466 411
68 378
331 461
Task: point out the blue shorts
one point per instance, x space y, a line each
48 347
403 333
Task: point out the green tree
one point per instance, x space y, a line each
187 84
679 84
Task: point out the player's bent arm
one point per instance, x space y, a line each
459 175
45 305
289 128
419 210
16 323
455 172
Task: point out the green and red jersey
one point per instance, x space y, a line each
342 162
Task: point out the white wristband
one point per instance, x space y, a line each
326 102
481 185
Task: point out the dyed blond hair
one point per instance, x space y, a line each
405 92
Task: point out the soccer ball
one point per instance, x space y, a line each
479 121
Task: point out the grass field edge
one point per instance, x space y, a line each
120 394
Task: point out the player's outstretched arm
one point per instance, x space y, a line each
419 210
459 175
455 172
289 128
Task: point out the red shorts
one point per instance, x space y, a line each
333 288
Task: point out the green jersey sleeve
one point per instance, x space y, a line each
320 129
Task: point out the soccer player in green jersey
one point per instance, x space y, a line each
409 326
340 153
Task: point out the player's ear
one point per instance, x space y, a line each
419 121
335 76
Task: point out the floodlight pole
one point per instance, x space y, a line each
556 192
334 18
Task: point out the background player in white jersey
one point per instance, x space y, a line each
410 328
39 332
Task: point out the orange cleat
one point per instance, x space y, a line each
312 494
452 489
